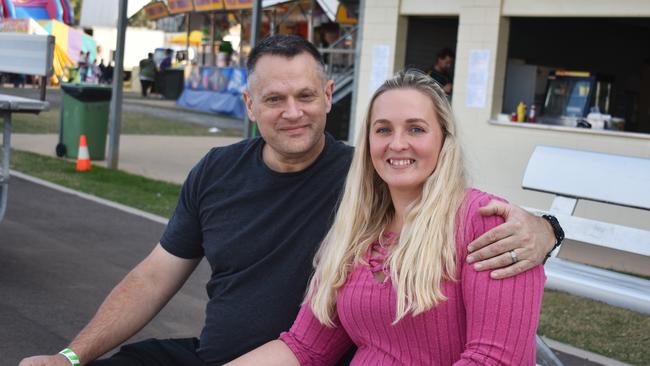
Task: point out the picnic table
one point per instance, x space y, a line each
10 104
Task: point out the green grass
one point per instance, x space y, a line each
45 122
587 324
133 123
600 328
135 191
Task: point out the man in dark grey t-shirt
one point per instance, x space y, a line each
257 210
441 70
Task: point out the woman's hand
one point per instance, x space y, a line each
529 236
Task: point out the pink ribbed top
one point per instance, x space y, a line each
483 321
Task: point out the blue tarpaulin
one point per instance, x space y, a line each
213 102
214 90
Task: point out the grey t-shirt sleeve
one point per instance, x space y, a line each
183 236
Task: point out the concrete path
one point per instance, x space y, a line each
167 158
56 266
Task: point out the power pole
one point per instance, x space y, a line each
256 23
115 112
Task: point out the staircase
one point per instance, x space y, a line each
340 61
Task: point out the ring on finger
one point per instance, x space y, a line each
513 255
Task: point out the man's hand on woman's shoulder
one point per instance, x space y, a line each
528 236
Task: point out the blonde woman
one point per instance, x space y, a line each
390 276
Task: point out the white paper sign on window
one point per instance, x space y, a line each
380 65
477 78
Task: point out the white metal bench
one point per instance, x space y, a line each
22 54
575 175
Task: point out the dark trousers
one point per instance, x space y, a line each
169 352
155 352
147 85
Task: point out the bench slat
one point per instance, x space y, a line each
610 287
603 234
607 235
620 180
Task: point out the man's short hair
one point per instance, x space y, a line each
444 53
282 45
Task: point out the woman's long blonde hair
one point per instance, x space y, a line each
425 253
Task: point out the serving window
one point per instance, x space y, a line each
592 73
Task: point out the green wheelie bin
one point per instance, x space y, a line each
84 110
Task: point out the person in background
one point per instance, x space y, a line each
102 72
94 73
166 63
391 276
19 80
108 75
82 65
147 74
442 70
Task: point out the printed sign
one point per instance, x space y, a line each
15 25
238 4
218 79
156 10
380 66
477 78
180 6
208 5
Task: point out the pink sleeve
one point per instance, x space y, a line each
314 343
501 315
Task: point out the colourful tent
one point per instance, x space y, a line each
71 40
68 43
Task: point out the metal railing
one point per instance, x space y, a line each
339 62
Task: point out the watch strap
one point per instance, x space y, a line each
557 232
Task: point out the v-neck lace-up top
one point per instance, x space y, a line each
482 322
377 255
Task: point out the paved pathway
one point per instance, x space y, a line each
56 265
167 158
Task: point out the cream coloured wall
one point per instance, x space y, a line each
497 155
382 26
430 7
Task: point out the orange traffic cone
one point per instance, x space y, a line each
83 158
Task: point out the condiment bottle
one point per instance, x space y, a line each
532 114
521 112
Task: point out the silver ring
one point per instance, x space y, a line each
513 255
